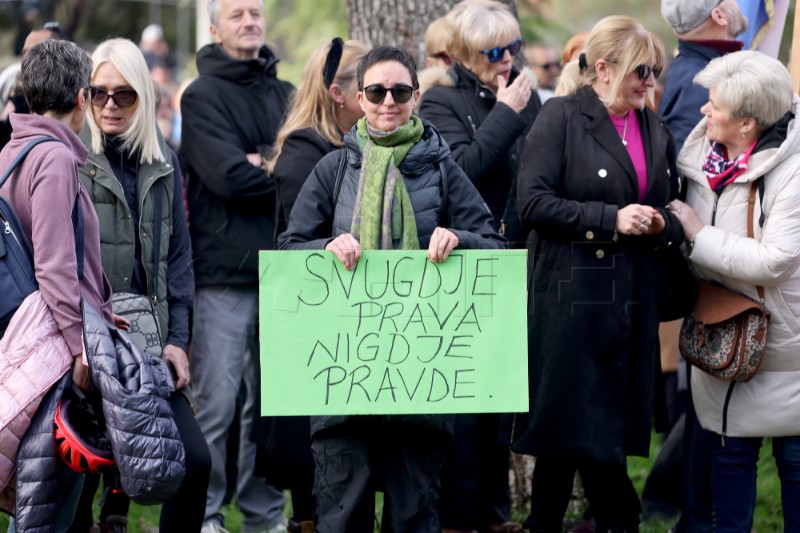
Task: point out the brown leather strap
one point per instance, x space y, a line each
751 208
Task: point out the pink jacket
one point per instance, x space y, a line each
33 356
42 193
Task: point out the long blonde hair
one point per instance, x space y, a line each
311 105
622 41
142 135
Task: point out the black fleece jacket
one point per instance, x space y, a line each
234 108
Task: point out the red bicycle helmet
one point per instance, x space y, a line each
82 444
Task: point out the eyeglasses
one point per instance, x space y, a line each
645 70
122 97
496 54
548 66
400 93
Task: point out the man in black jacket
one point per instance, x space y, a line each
231 115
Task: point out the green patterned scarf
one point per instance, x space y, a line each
383 213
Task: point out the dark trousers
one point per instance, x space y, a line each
364 455
475 492
734 468
614 501
184 511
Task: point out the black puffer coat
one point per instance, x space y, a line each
486 139
233 109
135 387
315 221
43 480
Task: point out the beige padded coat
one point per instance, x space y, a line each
769 404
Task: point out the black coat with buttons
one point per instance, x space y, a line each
593 295
485 138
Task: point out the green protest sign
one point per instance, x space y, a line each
399 334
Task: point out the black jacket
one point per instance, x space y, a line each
232 109
315 221
284 447
301 151
485 138
682 98
592 295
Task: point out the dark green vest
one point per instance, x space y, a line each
116 226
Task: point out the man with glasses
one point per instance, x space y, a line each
543 61
231 115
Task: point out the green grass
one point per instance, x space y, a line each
768 514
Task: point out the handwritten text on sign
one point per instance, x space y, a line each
396 335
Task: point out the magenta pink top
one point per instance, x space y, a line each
632 135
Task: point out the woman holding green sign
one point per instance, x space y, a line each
393 186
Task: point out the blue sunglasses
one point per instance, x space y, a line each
496 54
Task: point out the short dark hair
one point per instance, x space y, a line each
52 74
383 54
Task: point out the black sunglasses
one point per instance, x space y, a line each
400 93
645 70
548 66
122 97
496 54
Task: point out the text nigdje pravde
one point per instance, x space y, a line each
399 318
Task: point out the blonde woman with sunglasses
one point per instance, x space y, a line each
136 187
390 153
597 173
484 107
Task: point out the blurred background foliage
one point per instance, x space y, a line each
294 28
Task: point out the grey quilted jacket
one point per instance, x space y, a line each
135 387
147 446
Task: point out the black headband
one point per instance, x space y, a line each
582 62
332 61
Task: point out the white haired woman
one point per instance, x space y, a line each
135 184
483 109
595 177
750 135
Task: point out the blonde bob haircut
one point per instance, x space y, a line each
437 35
311 105
625 44
126 57
752 84
479 25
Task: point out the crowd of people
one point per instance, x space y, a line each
585 158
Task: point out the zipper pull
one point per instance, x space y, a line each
6 227
723 439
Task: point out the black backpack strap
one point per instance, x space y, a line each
23 154
340 168
444 216
77 227
77 215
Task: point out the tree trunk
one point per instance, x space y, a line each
398 23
